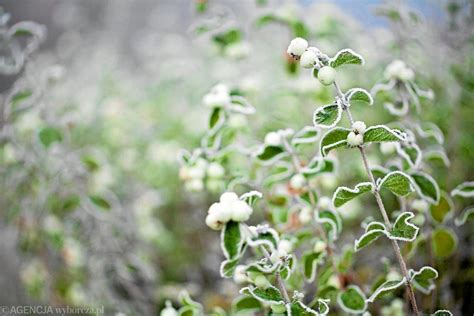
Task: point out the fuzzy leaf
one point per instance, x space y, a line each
228 267
268 237
345 194
352 300
216 119
428 129
246 305
465 189
345 57
319 165
231 240
327 116
444 242
426 186
359 95
334 138
298 308
385 287
50 135
270 153
423 279
372 232
402 229
307 135
331 221
443 312
411 153
468 214
442 209
310 261
397 182
382 133
269 295
100 202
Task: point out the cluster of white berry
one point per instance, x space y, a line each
219 96
398 70
229 208
356 136
276 138
311 57
195 175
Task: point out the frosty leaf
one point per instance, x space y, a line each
345 260
428 94
189 311
465 189
298 308
468 214
263 266
426 186
319 165
327 116
331 222
399 109
307 135
359 94
443 312
345 194
382 133
216 120
240 105
344 57
287 267
231 240
269 295
437 156
101 202
251 196
322 307
334 138
372 232
186 300
402 229
271 153
428 129
268 237
443 208
386 287
228 267
310 260
397 182
50 135
352 300
444 242
423 279
246 305
411 153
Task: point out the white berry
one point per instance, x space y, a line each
219 99
228 197
215 170
305 215
407 74
388 147
196 172
319 246
194 185
297 46
354 139
273 139
324 203
285 245
420 205
261 281
221 211
327 75
241 211
298 181
359 127
240 275
212 222
308 59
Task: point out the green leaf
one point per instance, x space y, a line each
307 135
327 116
186 300
411 153
359 95
20 96
468 214
345 57
345 260
352 300
372 232
265 237
227 37
50 135
100 202
263 266
271 153
428 129
334 138
397 182
228 267
216 119
319 165
231 240
245 305
442 209
345 194
298 308
310 261
287 267
385 287
423 279
402 229
331 221
443 312
382 133
465 189
426 186
189 311
269 295
444 242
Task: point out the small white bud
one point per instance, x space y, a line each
261 281
285 245
215 170
334 281
194 185
406 74
324 203
319 246
305 215
354 139
388 148
297 46
327 75
220 88
168 310
393 275
393 69
277 255
419 220
213 223
297 181
359 127
221 211
308 59
228 197
213 100
241 211
420 205
240 275
273 139
278 309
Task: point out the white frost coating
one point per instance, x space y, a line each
463 218
395 132
397 111
383 87
404 155
382 181
308 59
350 51
251 290
350 310
273 139
356 190
297 46
368 233
459 190
354 139
405 221
323 149
381 289
333 124
351 92
359 127
254 241
319 165
240 105
299 138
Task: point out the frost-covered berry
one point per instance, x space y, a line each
273 139
184 173
237 121
228 197
261 281
394 68
298 181
215 184
297 46
277 255
241 211
221 211
388 148
213 222
393 275
308 59
240 275
354 139
359 127
215 170
407 74
327 75
305 215
285 245
324 203
278 308
420 205
194 185
319 246
419 220
334 281
168 310
196 172
220 88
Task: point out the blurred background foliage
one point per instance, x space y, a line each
92 209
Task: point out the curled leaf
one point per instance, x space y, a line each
345 194
327 116
345 57
334 138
